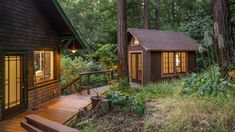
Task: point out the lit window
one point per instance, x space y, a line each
180 62
135 42
44 65
174 62
168 62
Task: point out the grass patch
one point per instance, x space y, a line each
170 110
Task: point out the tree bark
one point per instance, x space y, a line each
146 14
223 42
157 14
122 37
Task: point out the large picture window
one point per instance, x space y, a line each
44 66
174 62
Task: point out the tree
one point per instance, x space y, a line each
157 14
223 36
146 14
122 37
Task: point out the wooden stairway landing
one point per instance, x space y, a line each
59 109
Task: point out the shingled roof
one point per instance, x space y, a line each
156 40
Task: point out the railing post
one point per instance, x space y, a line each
88 82
111 75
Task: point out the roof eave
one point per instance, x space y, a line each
64 16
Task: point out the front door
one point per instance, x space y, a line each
136 67
14 85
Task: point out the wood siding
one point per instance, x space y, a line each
152 63
191 62
146 61
156 66
24 27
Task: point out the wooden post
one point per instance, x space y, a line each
88 83
111 75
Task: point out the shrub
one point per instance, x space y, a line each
126 102
209 83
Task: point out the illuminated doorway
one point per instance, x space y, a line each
14 90
136 67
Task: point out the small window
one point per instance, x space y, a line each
180 62
135 42
174 62
168 62
44 66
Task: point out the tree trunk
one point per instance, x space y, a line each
146 14
157 13
223 36
122 37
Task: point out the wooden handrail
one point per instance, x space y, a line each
87 73
71 83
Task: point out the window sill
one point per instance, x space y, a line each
44 84
173 75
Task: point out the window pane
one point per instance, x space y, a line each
171 62
44 65
49 65
165 63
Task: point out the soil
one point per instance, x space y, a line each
116 120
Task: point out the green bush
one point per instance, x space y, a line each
126 102
160 89
210 82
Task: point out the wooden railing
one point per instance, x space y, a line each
88 75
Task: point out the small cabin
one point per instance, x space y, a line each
155 55
32 36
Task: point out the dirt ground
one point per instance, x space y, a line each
117 121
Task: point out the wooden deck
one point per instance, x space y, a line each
60 109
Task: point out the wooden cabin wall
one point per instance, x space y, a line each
192 61
156 66
146 61
24 27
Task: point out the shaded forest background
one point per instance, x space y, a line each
96 20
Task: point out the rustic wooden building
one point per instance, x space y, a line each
32 35
157 55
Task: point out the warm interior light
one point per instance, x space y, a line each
74 51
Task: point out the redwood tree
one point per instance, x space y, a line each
146 14
122 37
157 14
223 37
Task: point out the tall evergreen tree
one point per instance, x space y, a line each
223 35
122 37
146 14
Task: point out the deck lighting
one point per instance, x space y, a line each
74 49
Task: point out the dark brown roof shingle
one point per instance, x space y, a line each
156 40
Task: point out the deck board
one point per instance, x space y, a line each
59 109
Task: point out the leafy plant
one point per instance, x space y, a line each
126 102
208 83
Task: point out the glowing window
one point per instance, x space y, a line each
168 62
135 42
44 66
174 62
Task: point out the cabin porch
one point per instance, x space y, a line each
60 110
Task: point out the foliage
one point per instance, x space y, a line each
105 54
208 83
71 68
158 90
120 84
128 103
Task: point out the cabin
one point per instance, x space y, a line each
155 55
33 34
